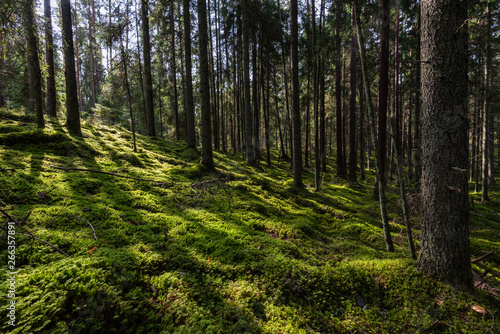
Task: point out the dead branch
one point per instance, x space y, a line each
93 230
482 257
45 242
29 234
206 190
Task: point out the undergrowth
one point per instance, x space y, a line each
237 251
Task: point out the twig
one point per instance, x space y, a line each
101 172
482 257
93 230
29 234
7 169
45 242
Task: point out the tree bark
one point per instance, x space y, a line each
34 72
383 89
188 81
248 115
445 216
206 131
49 52
296 134
148 81
72 110
371 118
353 163
341 163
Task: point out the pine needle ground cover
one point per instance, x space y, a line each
180 250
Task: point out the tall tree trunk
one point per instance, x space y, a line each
353 163
206 131
285 83
175 105
80 101
296 134
91 60
72 111
362 147
371 118
35 74
341 163
488 97
188 81
383 89
148 81
317 152
445 216
250 151
417 157
49 52
397 138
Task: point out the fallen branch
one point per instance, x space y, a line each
29 234
45 242
101 172
93 230
482 257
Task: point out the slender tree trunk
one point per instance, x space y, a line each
341 164
148 81
416 120
445 215
371 119
488 97
188 81
129 98
285 83
383 90
206 131
139 63
72 111
49 52
317 154
91 60
35 74
362 147
296 134
353 163
80 101
250 151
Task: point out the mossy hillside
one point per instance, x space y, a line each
248 255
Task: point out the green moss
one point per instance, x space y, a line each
255 255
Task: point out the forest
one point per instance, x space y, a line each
251 166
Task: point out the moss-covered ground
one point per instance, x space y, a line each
238 251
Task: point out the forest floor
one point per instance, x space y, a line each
238 251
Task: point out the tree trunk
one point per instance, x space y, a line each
341 163
248 116
371 118
206 131
417 156
80 101
383 89
353 163
34 72
51 108
72 111
175 105
188 81
445 216
148 81
296 134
